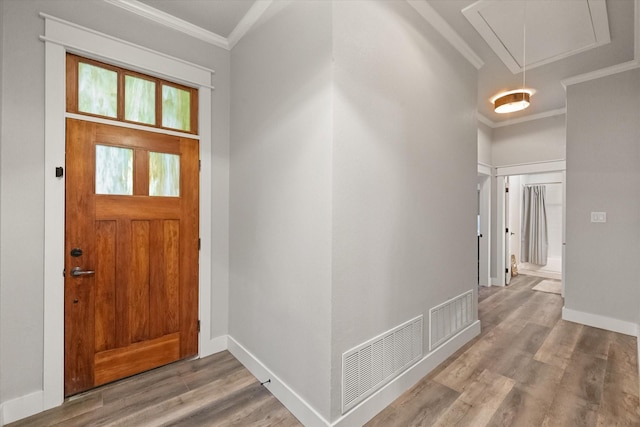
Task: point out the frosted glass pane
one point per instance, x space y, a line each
114 170
164 174
176 106
97 90
140 100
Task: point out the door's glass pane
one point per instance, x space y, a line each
114 170
140 100
97 90
176 106
164 174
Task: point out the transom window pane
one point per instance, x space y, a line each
97 90
164 174
176 106
140 100
114 170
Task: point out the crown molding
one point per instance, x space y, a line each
163 18
551 113
429 14
603 72
248 21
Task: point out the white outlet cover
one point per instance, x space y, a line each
598 217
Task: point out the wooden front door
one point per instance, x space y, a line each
131 252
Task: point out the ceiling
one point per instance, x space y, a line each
563 38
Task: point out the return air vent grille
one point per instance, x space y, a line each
371 365
449 318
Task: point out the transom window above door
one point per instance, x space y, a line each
98 89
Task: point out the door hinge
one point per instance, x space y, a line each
199 243
198 326
506 270
506 190
200 165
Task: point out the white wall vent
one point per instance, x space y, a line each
449 318
369 366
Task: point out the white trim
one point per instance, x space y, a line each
21 407
425 10
527 168
248 21
532 117
529 118
128 125
371 406
171 21
484 120
637 37
243 27
484 169
599 321
603 72
95 44
599 21
299 407
112 50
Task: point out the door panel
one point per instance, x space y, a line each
139 309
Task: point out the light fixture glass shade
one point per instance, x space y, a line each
511 102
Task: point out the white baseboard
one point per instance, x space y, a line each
308 416
638 355
21 407
599 321
495 281
371 406
32 404
216 345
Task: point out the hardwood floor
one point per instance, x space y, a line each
527 368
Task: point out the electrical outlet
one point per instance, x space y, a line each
598 217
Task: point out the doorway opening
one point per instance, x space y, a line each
548 262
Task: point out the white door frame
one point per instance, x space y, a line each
523 169
484 255
60 37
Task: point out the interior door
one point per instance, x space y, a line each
131 252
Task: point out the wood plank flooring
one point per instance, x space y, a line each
527 368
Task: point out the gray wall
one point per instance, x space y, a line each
485 137
404 173
22 173
280 249
353 193
529 142
603 174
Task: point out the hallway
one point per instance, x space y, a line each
527 368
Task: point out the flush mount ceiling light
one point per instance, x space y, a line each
514 100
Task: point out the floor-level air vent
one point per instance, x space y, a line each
371 365
449 318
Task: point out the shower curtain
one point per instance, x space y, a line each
534 238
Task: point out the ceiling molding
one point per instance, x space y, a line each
248 21
484 120
425 10
532 117
479 16
163 18
603 72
